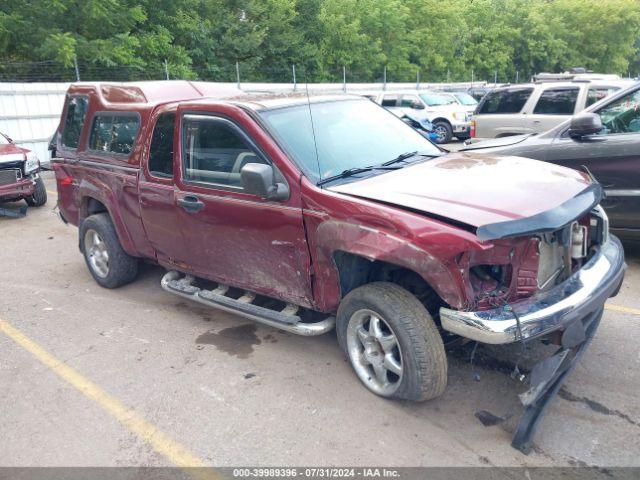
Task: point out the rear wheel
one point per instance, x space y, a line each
392 342
108 263
39 196
443 130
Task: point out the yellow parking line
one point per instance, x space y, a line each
51 192
161 443
618 308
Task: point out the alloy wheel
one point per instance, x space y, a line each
374 352
97 253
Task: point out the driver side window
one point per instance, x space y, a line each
622 115
410 101
214 151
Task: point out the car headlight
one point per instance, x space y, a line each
32 163
461 116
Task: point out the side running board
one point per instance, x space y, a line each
287 319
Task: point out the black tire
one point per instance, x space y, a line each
444 131
39 196
122 268
423 358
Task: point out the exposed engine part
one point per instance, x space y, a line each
551 261
579 239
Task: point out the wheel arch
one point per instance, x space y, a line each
92 203
342 245
356 270
441 119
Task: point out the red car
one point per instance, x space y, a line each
20 174
309 213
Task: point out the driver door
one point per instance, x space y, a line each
413 107
232 236
613 156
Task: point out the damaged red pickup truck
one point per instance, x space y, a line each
20 174
307 214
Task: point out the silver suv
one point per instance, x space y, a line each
536 107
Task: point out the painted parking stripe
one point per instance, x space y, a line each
159 441
51 192
621 309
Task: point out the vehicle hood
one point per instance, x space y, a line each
496 142
472 188
450 108
12 153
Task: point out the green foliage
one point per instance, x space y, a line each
205 38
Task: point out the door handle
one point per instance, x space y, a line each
190 203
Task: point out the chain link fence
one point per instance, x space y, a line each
238 72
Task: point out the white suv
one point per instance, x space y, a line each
447 116
536 107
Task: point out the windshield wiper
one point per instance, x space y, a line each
400 158
405 156
354 171
383 166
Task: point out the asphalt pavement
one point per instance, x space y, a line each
139 377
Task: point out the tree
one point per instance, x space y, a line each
131 39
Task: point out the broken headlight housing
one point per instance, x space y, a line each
31 164
599 223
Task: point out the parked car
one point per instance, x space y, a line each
606 140
449 119
535 107
466 101
308 213
20 174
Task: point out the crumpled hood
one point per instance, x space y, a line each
496 142
12 153
472 188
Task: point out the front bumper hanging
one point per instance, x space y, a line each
547 377
573 309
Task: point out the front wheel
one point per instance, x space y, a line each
392 342
39 196
108 263
443 131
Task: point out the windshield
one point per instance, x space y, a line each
435 99
348 134
465 98
3 140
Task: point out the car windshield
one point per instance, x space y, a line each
465 98
3 140
435 99
349 134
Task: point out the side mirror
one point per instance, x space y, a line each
259 179
417 105
585 124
